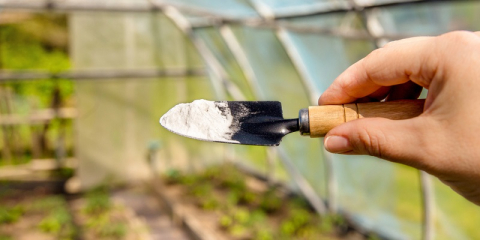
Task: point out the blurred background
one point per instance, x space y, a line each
84 83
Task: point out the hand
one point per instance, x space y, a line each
443 141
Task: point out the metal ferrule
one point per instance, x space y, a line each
303 122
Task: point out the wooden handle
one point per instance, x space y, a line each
323 118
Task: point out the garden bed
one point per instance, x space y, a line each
41 214
223 203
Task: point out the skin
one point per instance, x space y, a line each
443 141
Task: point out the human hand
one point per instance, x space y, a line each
443 141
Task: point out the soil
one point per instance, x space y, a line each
207 222
135 215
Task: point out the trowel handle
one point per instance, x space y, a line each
323 118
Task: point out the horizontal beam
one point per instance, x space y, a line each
71 6
9 76
212 18
38 116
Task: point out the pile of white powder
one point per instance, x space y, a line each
201 119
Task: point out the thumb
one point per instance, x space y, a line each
400 141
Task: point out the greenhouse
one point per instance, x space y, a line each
125 63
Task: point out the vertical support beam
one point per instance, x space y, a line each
219 74
297 177
271 165
376 30
302 183
428 227
296 58
313 94
242 59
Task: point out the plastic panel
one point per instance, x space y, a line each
118 119
279 8
278 80
226 8
371 190
429 19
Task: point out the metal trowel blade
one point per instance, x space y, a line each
249 122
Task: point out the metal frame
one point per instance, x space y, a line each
220 76
8 76
312 96
374 28
298 179
211 19
239 55
428 200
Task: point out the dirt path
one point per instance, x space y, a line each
151 211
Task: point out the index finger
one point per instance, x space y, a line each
398 62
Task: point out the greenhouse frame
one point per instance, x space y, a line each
135 59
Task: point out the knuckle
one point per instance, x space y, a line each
390 44
371 142
460 38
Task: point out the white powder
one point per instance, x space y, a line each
201 119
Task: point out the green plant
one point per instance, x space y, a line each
5 237
373 237
10 214
257 218
238 230
264 234
50 225
201 190
232 198
172 176
270 201
298 223
209 203
211 173
97 201
241 216
329 222
113 230
247 197
103 226
225 221
58 219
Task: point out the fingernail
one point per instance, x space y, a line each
337 144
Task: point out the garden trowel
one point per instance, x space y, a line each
262 122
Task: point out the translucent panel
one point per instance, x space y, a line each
428 18
278 80
329 20
226 8
118 120
289 8
456 218
379 195
377 2
217 46
325 57
386 196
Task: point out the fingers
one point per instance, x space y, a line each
408 90
382 138
398 62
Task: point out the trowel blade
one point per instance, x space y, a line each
237 122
